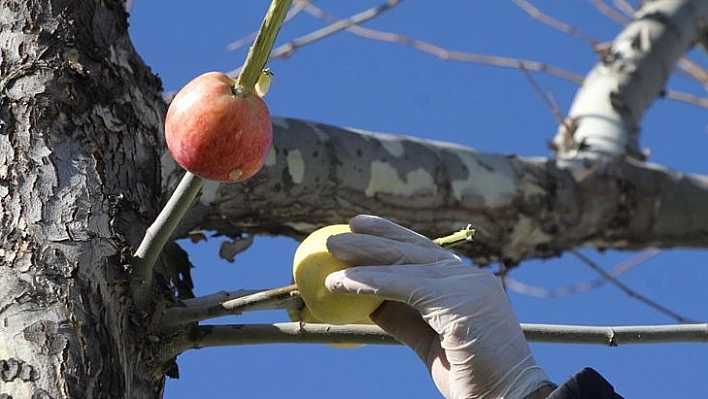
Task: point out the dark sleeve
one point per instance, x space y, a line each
586 384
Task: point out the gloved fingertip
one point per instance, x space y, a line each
341 245
333 241
365 223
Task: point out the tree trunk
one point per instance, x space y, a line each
80 127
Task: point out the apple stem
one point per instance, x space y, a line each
157 235
259 53
458 237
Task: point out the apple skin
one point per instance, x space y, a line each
216 133
312 264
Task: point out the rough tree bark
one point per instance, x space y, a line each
80 126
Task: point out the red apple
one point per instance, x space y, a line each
216 132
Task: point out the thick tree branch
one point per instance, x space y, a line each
522 207
633 71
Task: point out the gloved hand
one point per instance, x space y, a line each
456 317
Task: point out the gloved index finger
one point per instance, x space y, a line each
403 283
364 249
378 226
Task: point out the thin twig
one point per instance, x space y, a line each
237 302
158 233
625 7
275 298
693 70
629 291
181 199
246 40
609 12
686 67
287 49
259 53
579 287
564 27
687 98
446 54
552 106
298 332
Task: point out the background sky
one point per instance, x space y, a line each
353 82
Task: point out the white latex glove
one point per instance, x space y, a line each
456 317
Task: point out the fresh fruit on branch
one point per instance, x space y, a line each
217 132
311 266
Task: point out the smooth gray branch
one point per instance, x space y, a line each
224 304
157 235
250 334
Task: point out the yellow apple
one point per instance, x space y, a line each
311 265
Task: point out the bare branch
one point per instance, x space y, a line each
564 27
687 97
158 233
295 9
686 67
609 12
287 297
442 53
693 70
250 334
550 103
286 50
169 217
224 304
583 286
616 336
625 7
629 291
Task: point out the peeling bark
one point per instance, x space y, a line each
604 119
80 117
522 207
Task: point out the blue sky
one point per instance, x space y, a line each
349 81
